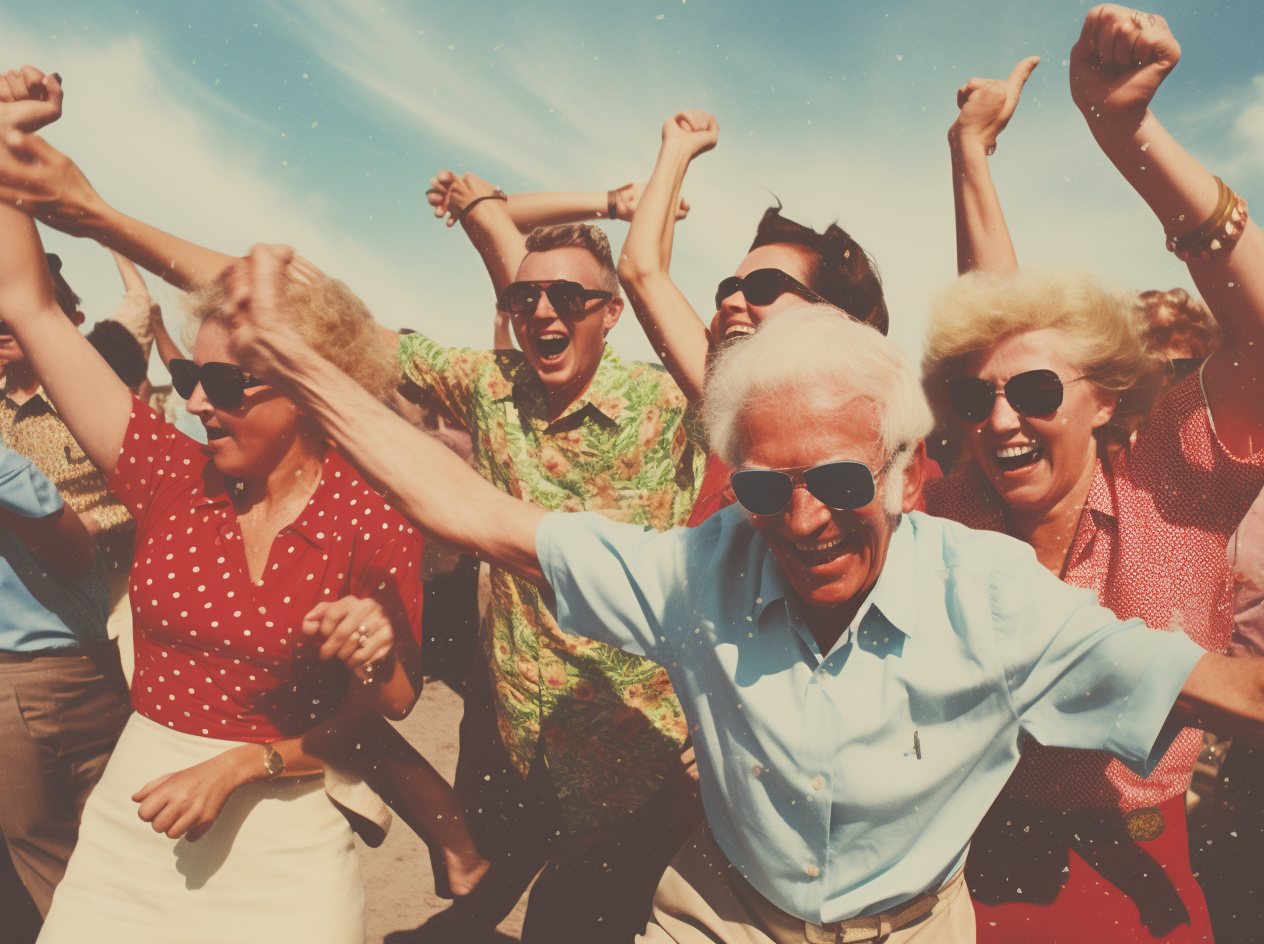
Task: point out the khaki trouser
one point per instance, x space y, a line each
702 899
59 719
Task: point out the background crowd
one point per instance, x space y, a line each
279 552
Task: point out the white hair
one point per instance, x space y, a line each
809 349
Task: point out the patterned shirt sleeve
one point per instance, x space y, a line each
450 375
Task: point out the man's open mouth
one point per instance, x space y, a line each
815 553
1009 458
215 432
552 346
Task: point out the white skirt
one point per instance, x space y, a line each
278 865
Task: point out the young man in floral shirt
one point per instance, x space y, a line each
570 749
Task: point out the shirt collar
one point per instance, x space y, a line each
604 410
39 392
1100 500
893 595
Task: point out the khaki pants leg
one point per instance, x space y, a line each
59 721
703 900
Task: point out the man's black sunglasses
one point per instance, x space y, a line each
843 486
1031 393
763 286
567 298
223 384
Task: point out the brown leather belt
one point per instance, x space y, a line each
878 927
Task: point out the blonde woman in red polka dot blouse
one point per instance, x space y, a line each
1045 378
276 595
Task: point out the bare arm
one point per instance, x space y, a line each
529 210
1224 694
53 190
487 223
425 480
678 335
167 347
1117 65
983 240
95 405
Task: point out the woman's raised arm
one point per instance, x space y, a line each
95 405
48 185
529 210
678 335
1117 65
983 240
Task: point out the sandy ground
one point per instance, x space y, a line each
398 886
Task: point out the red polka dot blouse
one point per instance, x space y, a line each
217 655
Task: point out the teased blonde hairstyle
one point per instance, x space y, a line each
807 349
330 318
1100 338
1176 324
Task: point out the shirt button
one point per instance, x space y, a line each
818 782
813 871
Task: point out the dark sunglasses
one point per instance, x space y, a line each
763 286
223 384
567 298
1031 393
843 486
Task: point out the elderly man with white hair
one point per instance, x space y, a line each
857 676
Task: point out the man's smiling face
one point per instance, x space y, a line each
564 350
830 557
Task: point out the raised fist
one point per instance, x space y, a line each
695 129
1119 62
29 99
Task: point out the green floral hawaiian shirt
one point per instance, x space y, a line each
630 448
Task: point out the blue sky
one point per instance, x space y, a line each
318 123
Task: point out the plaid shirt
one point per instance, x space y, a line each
33 429
629 447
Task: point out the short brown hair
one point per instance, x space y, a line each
585 236
330 318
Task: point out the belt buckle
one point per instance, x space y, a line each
820 933
1144 824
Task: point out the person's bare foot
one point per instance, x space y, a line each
464 871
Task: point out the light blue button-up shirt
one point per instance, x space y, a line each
842 783
39 609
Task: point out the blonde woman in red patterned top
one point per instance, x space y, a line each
1049 382
275 594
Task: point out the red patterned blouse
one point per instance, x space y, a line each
1151 541
218 655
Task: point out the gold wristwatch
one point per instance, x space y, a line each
273 762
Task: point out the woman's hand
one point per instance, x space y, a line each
46 184
988 104
29 99
628 196
450 194
187 802
356 630
1119 62
693 129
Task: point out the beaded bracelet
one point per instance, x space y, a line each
1218 234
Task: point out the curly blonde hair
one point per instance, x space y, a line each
1101 339
329 317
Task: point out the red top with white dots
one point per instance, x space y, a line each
218 655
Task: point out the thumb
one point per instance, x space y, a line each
311 622
1018 78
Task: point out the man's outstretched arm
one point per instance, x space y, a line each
424 479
